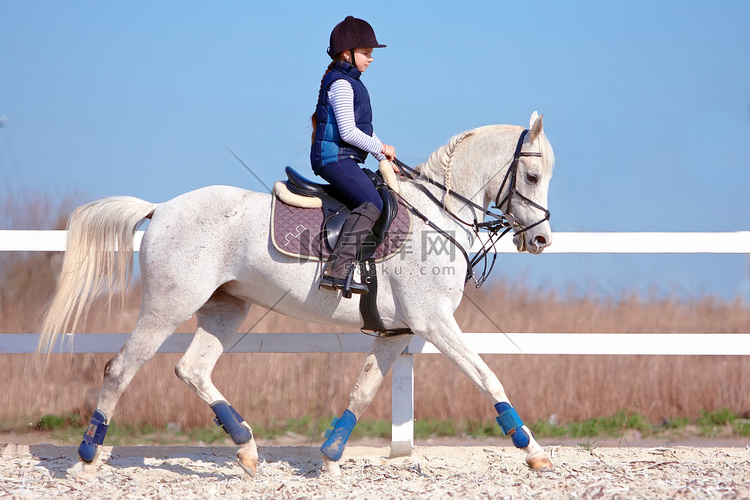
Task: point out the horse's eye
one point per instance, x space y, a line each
532 178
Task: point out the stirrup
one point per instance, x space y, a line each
332 283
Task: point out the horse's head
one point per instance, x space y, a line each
516 186
521 192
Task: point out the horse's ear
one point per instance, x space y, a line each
536 125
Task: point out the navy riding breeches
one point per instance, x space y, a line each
349 179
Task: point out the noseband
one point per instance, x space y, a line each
503 222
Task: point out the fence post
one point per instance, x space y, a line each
402 405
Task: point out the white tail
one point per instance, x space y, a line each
99 251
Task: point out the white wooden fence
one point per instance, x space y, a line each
737 242
486 343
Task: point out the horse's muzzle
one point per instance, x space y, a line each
534 244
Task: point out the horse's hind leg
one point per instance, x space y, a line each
380 359
148 335
218 321
446 337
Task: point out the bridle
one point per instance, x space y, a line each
510 179
503 222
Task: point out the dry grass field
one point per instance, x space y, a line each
272 387
268 387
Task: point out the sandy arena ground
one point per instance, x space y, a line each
45 470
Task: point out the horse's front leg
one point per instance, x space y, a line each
380 359
446 337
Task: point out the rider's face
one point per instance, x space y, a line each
362 58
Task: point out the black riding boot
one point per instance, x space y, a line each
339 271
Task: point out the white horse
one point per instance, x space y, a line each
207 252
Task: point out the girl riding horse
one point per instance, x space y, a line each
343 136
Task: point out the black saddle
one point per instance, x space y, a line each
336 209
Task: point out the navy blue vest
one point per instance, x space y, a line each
327 146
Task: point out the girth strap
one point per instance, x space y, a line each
368 302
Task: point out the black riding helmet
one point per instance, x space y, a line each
352 33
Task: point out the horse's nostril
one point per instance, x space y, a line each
540 241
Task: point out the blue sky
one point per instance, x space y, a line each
647 105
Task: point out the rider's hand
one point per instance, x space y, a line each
389 152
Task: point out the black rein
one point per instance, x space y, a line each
501 224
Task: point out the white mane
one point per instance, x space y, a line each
440 161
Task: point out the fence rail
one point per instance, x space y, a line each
630 344
485 343
737 242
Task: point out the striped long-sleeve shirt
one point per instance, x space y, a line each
341 97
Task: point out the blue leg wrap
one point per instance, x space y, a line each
510 423
93 436
333 448
233 424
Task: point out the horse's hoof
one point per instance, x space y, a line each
540 462
332 468
248 461
83 471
